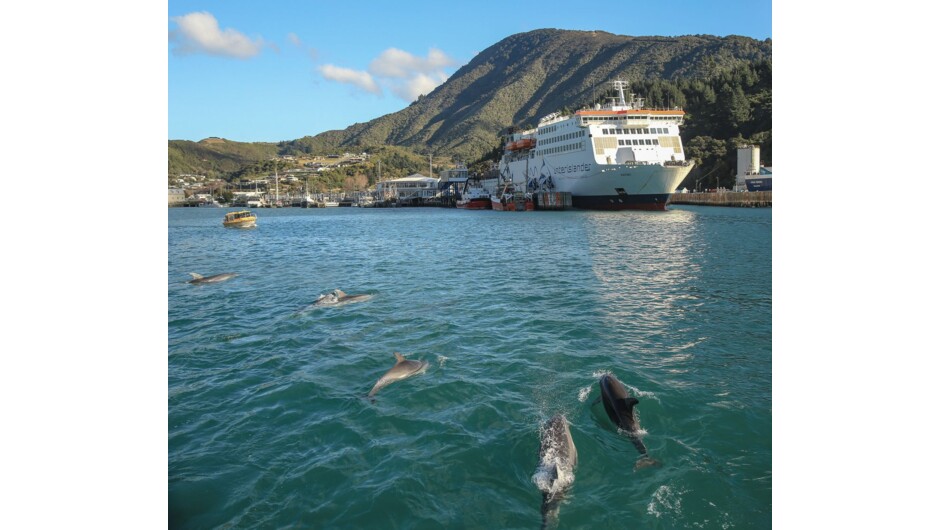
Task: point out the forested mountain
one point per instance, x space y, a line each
724 84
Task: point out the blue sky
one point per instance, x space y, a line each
271 71
91 97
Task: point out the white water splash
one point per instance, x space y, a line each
441 359
600 373
665 500
584 393
643 394
639 433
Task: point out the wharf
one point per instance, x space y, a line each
744 199
558 200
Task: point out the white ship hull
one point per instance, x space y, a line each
603 186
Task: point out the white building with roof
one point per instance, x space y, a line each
176 196
414 186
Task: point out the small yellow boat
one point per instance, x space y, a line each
241 219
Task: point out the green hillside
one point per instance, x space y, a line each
529 75
724 84
215 157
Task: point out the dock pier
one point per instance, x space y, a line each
556 200
744 199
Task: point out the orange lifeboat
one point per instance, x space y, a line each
525 143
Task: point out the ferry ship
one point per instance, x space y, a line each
617 156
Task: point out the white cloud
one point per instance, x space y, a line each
397 63
418 84
199 33
358 78
405 75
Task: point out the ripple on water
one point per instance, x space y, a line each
518 316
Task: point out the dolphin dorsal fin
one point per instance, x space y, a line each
338 293
195 276
630 402
399 357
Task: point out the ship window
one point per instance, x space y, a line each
649 142
655 141
636 142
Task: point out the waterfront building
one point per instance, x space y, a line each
176 197
413 188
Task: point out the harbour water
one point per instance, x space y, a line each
518 315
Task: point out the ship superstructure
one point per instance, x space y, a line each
615 157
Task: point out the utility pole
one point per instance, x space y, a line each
592 91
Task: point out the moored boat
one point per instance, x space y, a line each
240 219
614 157
474 198
762 181
510 201
752 175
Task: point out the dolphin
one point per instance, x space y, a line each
555 472
402 369
215 278
619 405
337 298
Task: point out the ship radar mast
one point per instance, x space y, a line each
620 102
619 85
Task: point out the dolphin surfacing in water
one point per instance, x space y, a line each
554 475
215 278
619 405
403 369
338 298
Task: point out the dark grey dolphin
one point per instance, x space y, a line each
337 298
215 278
619 405
402 369
555 472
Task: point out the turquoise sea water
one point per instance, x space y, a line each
518 315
